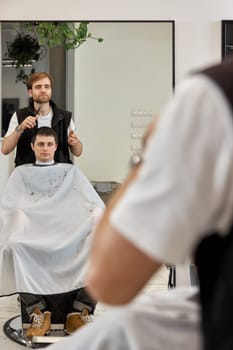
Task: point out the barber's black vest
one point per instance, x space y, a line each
214 256
60 123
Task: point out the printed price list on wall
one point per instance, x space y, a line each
139 120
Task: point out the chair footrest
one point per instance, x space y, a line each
48 339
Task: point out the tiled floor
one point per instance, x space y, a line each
9 307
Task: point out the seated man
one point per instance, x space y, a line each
47 215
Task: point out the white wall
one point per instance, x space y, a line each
121 84
181 10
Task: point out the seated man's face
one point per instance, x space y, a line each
44 148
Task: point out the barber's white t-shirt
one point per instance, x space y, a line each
44 120
184 189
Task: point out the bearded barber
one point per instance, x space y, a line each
42 111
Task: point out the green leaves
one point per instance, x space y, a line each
61 33
23 50
30 44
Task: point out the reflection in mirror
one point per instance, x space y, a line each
113 89
37 46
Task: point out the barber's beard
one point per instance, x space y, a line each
42 99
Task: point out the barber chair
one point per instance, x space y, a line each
39 200
171 276
105 189
59 305
186 276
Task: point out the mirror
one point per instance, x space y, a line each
227 38
113 89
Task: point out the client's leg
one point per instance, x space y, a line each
82 307
35 307
84 301
32 301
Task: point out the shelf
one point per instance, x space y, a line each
10 63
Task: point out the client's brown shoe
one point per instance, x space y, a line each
76 320
41 323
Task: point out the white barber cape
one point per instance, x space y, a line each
47 214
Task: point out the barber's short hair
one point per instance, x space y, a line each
45 131
36 76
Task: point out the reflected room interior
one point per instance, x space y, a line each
113 88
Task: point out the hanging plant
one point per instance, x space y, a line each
61 33
24 50
27 49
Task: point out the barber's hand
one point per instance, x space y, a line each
73 138
28 123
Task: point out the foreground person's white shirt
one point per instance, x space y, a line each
167 320
184 190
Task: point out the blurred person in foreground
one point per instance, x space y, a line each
177 202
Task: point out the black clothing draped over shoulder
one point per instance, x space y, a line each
214 254
60 123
